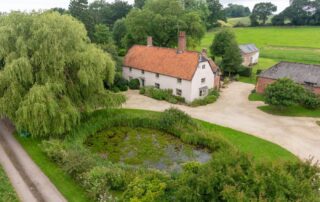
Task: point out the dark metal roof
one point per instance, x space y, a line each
248 48
298 72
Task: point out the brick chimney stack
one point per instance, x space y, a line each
204 52
149 41
182 42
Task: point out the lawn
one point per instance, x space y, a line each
293 44
7 193
64 183
297 111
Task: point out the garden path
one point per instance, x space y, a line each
300 135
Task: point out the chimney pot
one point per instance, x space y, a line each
182 42
149 41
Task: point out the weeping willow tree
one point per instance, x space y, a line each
50 73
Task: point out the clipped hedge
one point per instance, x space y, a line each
134 84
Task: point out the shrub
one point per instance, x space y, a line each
284 93
120 82
259 71
161 94
134 84
245 71
212 96
310 100
175 118
55 150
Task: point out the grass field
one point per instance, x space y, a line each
244 21
7 193
293 44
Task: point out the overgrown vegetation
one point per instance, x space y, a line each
161 94
7 193
106 180
212 96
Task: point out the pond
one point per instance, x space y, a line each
145 147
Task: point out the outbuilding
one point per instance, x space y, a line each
250 54
305 74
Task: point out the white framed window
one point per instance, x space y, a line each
178 92
142 82
179 80
142 71
203 92
203 66
157 85
157 75
130 69
203 80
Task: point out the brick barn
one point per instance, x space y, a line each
304 74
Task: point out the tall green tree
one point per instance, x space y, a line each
215 13
231 60
220 41
261 12
163 19
119 32
51 74
139 3
79 9
235 11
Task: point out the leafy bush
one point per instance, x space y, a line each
212 96
245 71
310 100
259 71
175 118
55 150
134 84
150 187
161 94
283 93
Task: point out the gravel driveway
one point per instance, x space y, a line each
299 135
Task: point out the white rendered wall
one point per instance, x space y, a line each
196 81
166 82
255 58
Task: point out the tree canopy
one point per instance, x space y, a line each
260 12
163 19
50 73
235 11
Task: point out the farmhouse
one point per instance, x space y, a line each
307 75
250 54
189 74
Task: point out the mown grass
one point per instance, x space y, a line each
7 193
296 110
64 183
245 21
293 44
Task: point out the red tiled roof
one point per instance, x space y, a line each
164 61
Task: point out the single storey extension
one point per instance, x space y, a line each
189 74
250 54
304 74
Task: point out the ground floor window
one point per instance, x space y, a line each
203 91
178 92
157 85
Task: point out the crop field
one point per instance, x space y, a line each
294 44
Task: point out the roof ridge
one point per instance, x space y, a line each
190 51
